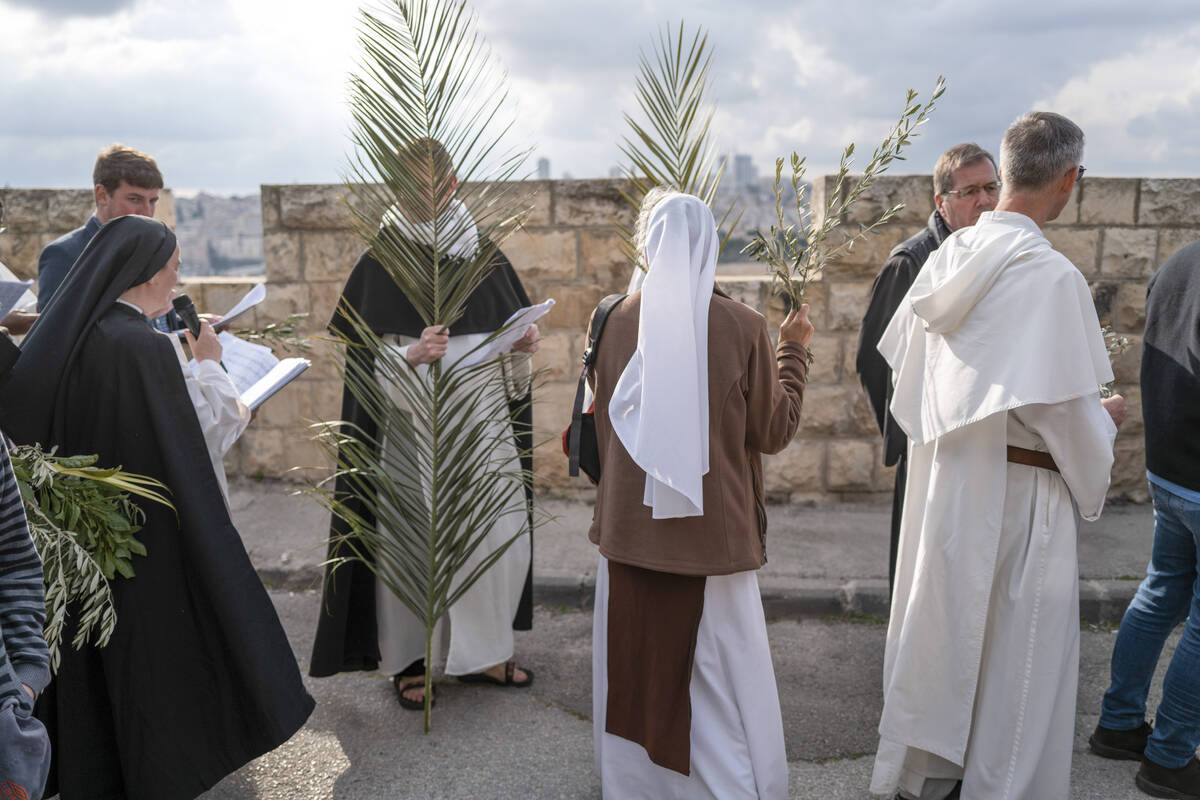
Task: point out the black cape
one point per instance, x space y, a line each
347 637
199 677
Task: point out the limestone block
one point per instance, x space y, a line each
1130 307
219 296
847 304
573 307
603 259
552 405
750 290
268 196
914 191
68 209
1108 201
776 307
1081 246
284 299
1127 366
1129 467
304 459
548 255
1169 201
885 477
326 360
263 451
290 407
1129 252
323 299
863 417
869 253
19 251
827 359
798 468
313 206
1172 240
329 255
326 398
591 203
25 209
1104 296
557 357
828 409
1070 214
281 250
851 465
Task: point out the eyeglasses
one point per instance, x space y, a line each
972 192
1079 174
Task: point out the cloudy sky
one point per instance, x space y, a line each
229 94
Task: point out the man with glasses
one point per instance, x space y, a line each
998 359
964 186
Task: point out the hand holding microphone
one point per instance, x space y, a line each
201 338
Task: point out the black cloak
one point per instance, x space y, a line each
347 637
199 677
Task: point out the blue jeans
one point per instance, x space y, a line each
1169 594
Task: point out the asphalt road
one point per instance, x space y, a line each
537 743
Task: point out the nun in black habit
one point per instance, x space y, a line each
356 621
199 677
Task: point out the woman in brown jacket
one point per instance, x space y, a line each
689 394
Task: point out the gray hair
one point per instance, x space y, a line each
1039 148
651 199
952 160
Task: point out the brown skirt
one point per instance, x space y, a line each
652 622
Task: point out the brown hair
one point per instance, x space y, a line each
118 163
956 157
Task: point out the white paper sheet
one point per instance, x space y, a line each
517 324
245 362
252 298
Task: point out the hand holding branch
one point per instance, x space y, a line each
430 347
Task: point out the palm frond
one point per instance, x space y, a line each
428 484
672 145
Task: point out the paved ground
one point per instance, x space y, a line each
536 743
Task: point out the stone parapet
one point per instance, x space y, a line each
1115 230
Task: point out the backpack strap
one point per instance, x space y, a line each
595 329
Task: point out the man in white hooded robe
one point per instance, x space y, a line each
998 358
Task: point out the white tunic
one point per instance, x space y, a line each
737 748
480 633
997 344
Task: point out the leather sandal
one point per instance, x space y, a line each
409 703
509 668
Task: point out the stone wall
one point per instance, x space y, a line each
1115 230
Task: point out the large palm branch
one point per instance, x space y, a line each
429 483
672 145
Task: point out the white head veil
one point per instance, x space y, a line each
659 407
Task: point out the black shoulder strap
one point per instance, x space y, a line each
595 329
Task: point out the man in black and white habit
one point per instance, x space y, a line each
998 358
363 626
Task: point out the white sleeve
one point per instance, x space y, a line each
222 414
518 374
1079 434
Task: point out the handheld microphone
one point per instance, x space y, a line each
187 312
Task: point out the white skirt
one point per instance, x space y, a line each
737 748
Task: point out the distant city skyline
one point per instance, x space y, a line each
228 96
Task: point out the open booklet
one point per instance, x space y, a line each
255 370
516 324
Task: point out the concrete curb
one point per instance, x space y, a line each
1101 602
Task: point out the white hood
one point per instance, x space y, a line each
996 319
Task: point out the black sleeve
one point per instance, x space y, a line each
890 286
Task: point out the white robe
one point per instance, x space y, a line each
737 748
997 344
480 632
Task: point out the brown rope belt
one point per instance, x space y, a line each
1031 458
